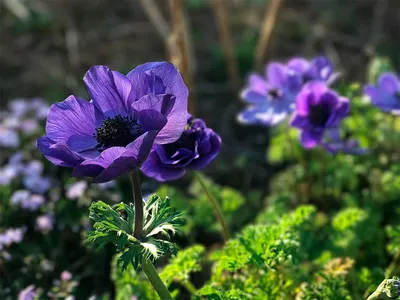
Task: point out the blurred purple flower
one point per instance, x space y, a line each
33 202
386 94
66 276
33 168
76 190
19 107
317 109
29 126
271 98
29 293
45 223
334 143
8 137
12 235
7 174
19 196
113 133
40 107
37 184
318 69
195 149
16 158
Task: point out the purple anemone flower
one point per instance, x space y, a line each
318 69
195 149
386 94
114 132
317 109
333 143
271 98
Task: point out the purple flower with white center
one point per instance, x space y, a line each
318 69
334 143
195 149
114 132
19 196
386 94
317 109
45 223
76 190
33 202
271 98
37 184
28 293
8 137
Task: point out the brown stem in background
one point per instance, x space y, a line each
267 28
225 36
179 53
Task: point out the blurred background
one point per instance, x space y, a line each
46 46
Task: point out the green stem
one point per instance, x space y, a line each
393 265
146 264
190 287
155 280
138 203
216 207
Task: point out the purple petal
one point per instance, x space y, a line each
85 145
253 97
151 120
310 139
389 83
299 121
73 116
276 75
299 65
204 160
152 168
181 158
109 90
133 156
58 153
258 84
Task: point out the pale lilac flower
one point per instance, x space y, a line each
19 196
7 174
34 167
37 184
106 185
66 276
40 107
8 137
16 158
45 223
33 202
29 293
76 190
29 126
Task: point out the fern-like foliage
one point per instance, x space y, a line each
115 224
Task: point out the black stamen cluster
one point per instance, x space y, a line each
319 114
117 131
274 93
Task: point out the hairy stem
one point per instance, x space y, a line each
216 207
155 280
138 203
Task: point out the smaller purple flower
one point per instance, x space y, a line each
19 107
317 109
195 149
34 167
66 276
29 127
33 203
28 293
37 184
45 223
8 137
12 235
40 107
318 69
7 174
386 94
19 196
76 190
271 98
334 144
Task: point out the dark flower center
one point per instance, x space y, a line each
117 131
319 114
274 93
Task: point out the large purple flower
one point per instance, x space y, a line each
195 149
317 109
386 94
114 132
271 98
318 69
